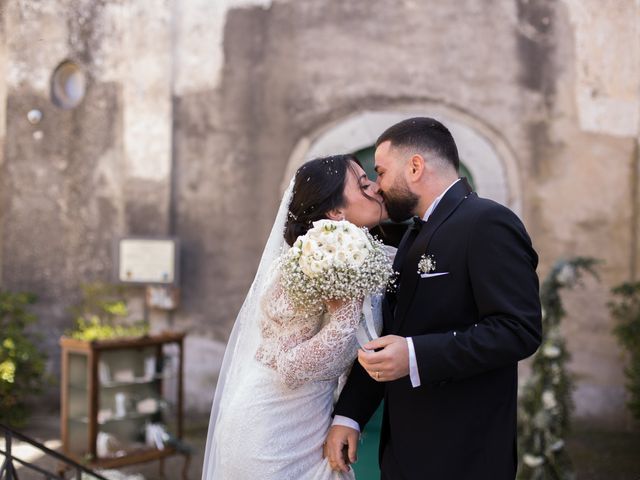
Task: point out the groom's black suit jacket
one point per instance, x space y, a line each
469 327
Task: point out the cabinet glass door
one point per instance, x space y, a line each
78 404
136 401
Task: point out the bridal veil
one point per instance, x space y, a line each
245 336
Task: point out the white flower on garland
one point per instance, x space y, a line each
334 260
567 275
557 445
549 399
532 460
545 398
556 371
551 351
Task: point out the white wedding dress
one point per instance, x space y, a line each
279 378
276 422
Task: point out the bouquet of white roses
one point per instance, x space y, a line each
334 260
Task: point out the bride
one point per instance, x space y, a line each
273 402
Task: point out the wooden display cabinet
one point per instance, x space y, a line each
119 397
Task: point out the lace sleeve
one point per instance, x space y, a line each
327 354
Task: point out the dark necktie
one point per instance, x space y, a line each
418 223
403 249
407 241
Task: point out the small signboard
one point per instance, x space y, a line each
147 261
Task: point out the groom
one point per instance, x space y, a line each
465 311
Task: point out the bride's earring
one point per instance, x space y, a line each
335 214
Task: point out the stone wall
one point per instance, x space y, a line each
80 178
195 109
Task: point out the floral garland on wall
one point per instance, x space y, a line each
545 400
625 308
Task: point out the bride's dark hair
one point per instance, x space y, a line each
318 188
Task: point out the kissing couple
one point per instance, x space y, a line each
464 310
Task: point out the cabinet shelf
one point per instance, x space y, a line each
114 419
128 383
136 381
89 404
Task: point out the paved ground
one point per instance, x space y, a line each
605 455
46 429
597 454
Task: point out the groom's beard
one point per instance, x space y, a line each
400 202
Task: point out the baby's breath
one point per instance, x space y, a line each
334 260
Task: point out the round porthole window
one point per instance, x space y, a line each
68 85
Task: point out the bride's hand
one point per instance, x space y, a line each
340 447
334 304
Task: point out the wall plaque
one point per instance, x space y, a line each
147 261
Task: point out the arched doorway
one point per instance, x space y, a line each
485 154
366 158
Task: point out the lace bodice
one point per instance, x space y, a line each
306 347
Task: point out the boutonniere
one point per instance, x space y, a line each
427 264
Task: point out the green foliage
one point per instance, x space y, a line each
103 314
22 363
626 310
545 399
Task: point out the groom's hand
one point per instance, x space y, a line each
389 362
339 440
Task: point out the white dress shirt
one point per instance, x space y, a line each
414 374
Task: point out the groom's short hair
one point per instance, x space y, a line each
425 134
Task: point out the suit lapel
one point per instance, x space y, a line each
409 273
389 301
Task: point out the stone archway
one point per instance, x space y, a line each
492 164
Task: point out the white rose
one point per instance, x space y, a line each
325 263
305 266
357 258
330 250
361 237
310 257
330 239
316 269
308 246
340 258
350 228
326 237
332 243
322 224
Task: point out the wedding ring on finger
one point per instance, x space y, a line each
377 375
